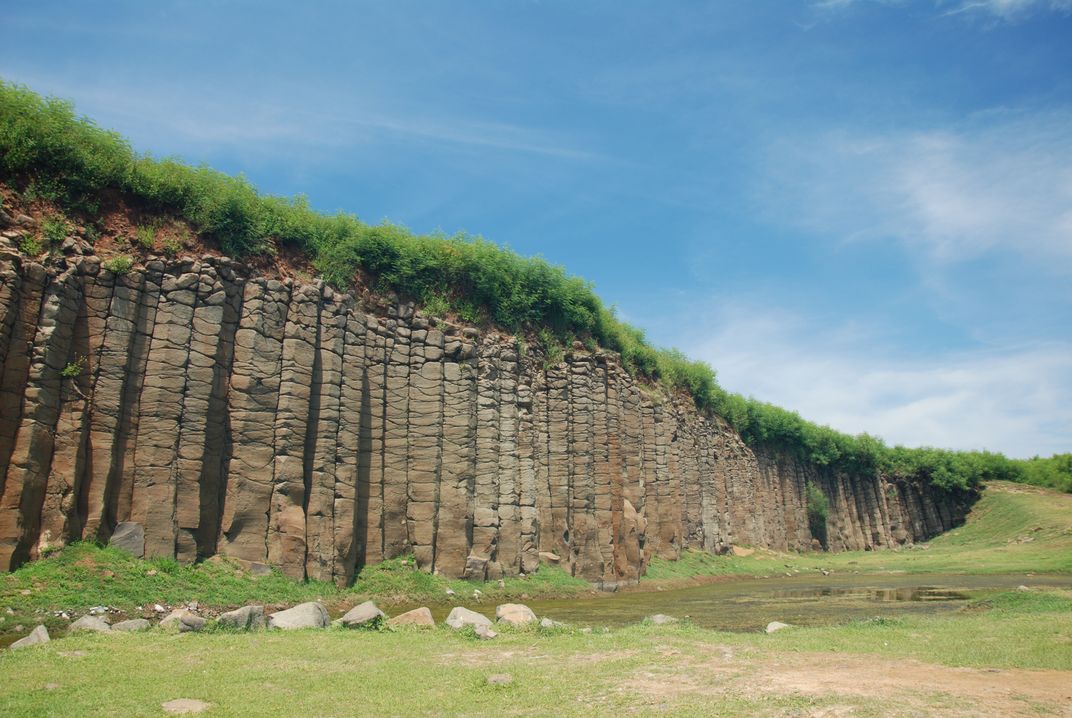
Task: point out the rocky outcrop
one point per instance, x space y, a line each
207 411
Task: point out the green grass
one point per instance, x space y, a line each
84 575
1007 630
680 669
1013 528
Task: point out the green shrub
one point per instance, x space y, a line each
55 230
145 236
1054 472
435 305
119 264
30 246
818 510
171 246
73 369
553 351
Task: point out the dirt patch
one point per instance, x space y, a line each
908 687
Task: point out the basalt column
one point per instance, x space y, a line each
282 422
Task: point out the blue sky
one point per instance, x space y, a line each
861 211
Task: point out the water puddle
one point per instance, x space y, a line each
750 604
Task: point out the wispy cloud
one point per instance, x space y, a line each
1000 182
210 118
1007 9
1004 10
1017 400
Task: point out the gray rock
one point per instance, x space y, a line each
661 619
247 618
134 625
183 621
516 614
548 623
484 633
774 626
37 636
365 615
90 623
304 615
420 617
130 537
460 617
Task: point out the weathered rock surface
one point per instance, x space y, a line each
460 617
130 537
304 615
134 625
286 424
247 618
421 617
365 615
37 636
90 623
775 626
515 614
182 620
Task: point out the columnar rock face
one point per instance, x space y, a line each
279 422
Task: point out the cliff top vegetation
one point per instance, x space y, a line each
48 151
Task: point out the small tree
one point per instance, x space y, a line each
818 510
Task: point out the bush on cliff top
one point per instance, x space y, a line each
46 150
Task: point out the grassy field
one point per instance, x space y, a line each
641 669
1013 528
85 575
1007 654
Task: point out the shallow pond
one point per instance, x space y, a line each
750 604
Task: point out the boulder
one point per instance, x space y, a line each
661 619
774 626
484 633
247 618
130 537
515 614
90 623
304 615
182 620
460 617
742 551
420 617
134 625
365 615
37 636
548 623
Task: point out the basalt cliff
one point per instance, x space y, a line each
281 422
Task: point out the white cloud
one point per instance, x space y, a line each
1000 182
1005 10
1017 400
1010 9
290 118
